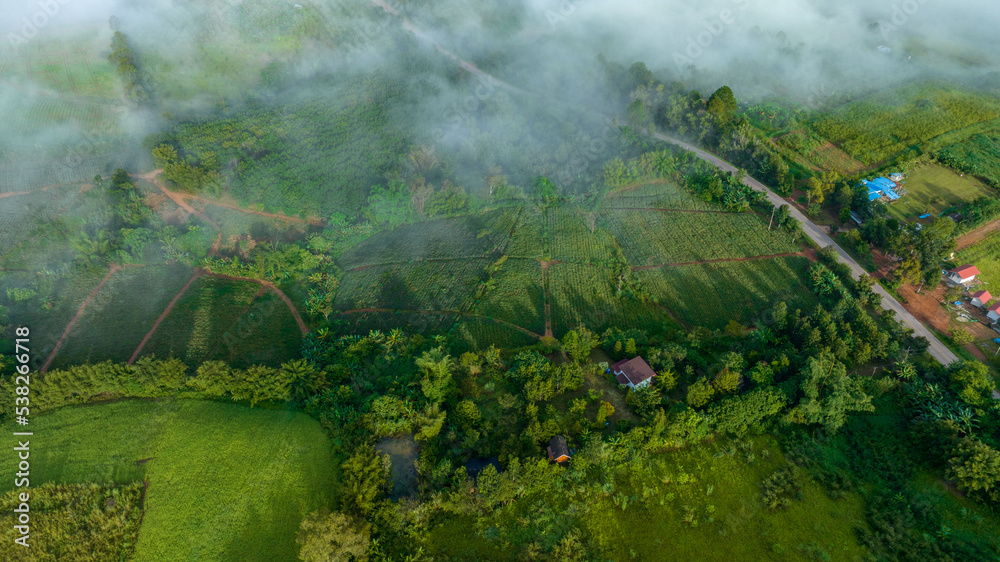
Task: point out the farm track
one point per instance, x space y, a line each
976 236
938 350
725 260
696 211
272 287
442 312
79 312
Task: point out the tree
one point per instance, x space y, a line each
700 393
727 381
604 412
579 343
302 377
975 467
722 105
961 336
366 479
437 368
333 537
830 394
971 381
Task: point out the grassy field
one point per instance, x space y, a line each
979 155
225 482
432 286
711 295
516 296
986 256
934 188
684 500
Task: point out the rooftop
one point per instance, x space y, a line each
634 371
965 271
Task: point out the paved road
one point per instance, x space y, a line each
937 349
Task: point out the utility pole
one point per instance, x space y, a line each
772 219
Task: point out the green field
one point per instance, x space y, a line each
933 189
121 314
979 155
196 326
711 295
225 482
701 503
880 126
985 255
516 295
428 285
264 334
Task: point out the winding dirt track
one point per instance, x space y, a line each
163 315
79 312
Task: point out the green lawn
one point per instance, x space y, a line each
225 482
934 188
986 256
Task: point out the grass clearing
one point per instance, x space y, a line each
985 255
935 188
226 482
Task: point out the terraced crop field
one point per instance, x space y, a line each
426 285
516 296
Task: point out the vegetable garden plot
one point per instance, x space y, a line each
516 296
711 295
266 334
470 236
529 239
658 195
660 237
47 321
425 286
121 314
570 238
584 294
209 310
480 333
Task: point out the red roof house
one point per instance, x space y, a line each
994 313
963 275
633 372
980 298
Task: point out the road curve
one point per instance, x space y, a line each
937 349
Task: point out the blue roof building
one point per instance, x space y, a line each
881 187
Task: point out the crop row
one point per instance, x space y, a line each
660 195
515 295
663 237
711 295
480 333
584 294
571 238
426 286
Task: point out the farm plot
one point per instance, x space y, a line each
265 334
529 238
471 236
979 155
56 300
22 215
233 222
572 239
877 127
711 295
661 194
421 286
662 237
121 314
415 323
480 333
986 256
934 188
829 157
584 294
209 309
516 296
223 481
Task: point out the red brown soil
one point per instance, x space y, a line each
79 312
883 264
977 235
926 307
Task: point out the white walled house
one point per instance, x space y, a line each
963 275
981 299
994 313
633 373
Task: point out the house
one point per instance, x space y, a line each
633 373
881 188
857 219
963 275
981 298
897 177
994 313
558 450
